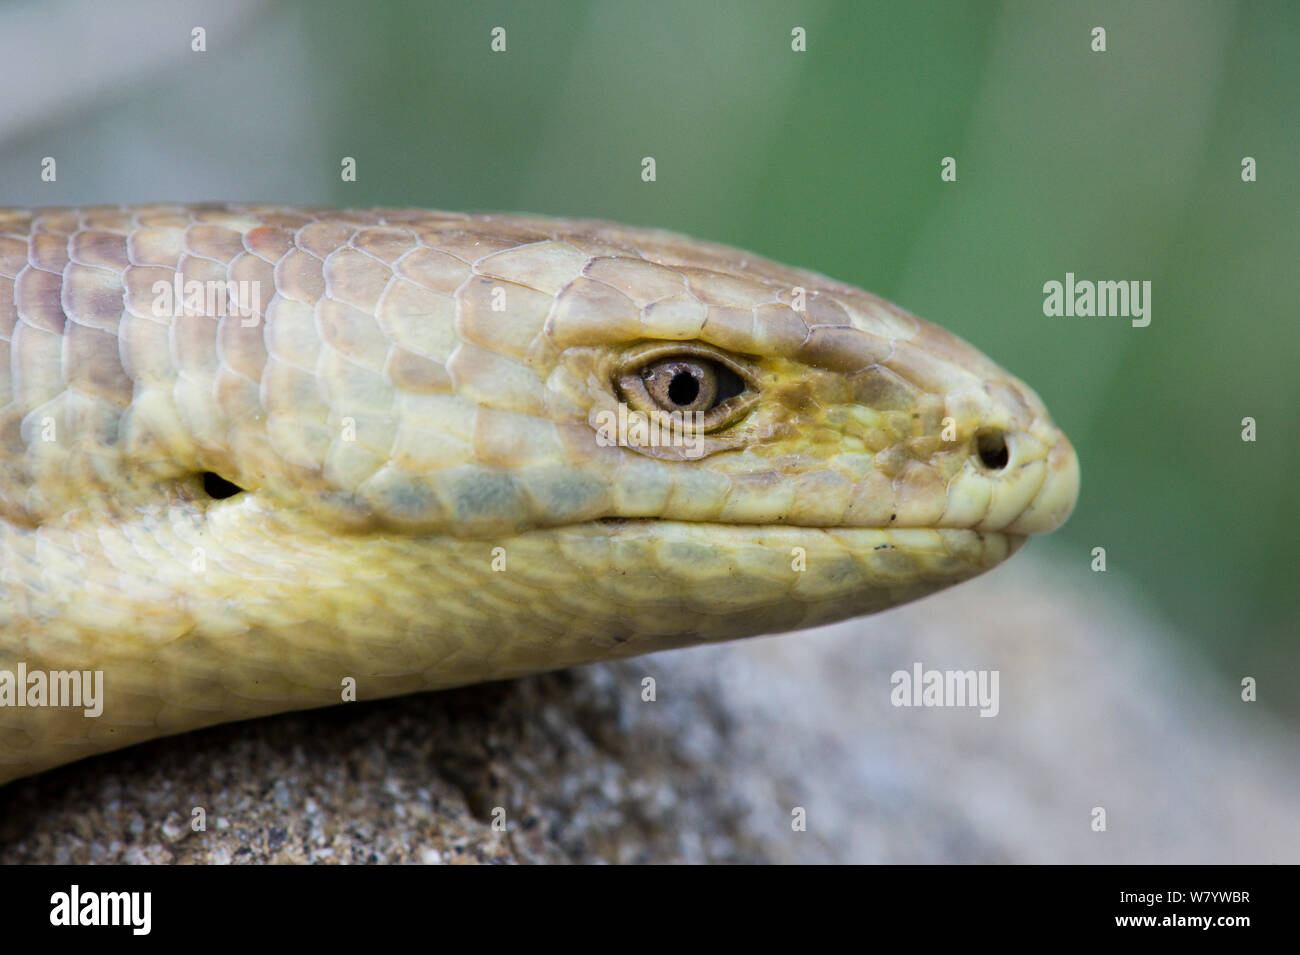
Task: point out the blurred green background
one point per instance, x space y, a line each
1117 165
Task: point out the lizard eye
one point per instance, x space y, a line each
677 382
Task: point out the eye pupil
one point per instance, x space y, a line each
683 389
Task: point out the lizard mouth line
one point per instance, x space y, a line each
985 548
793 527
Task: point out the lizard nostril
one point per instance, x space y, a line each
991 446
218 487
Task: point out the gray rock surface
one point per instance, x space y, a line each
1098 707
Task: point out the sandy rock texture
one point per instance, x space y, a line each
1098 707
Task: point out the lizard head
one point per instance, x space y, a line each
662 395
705 419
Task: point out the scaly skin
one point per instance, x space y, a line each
427 502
